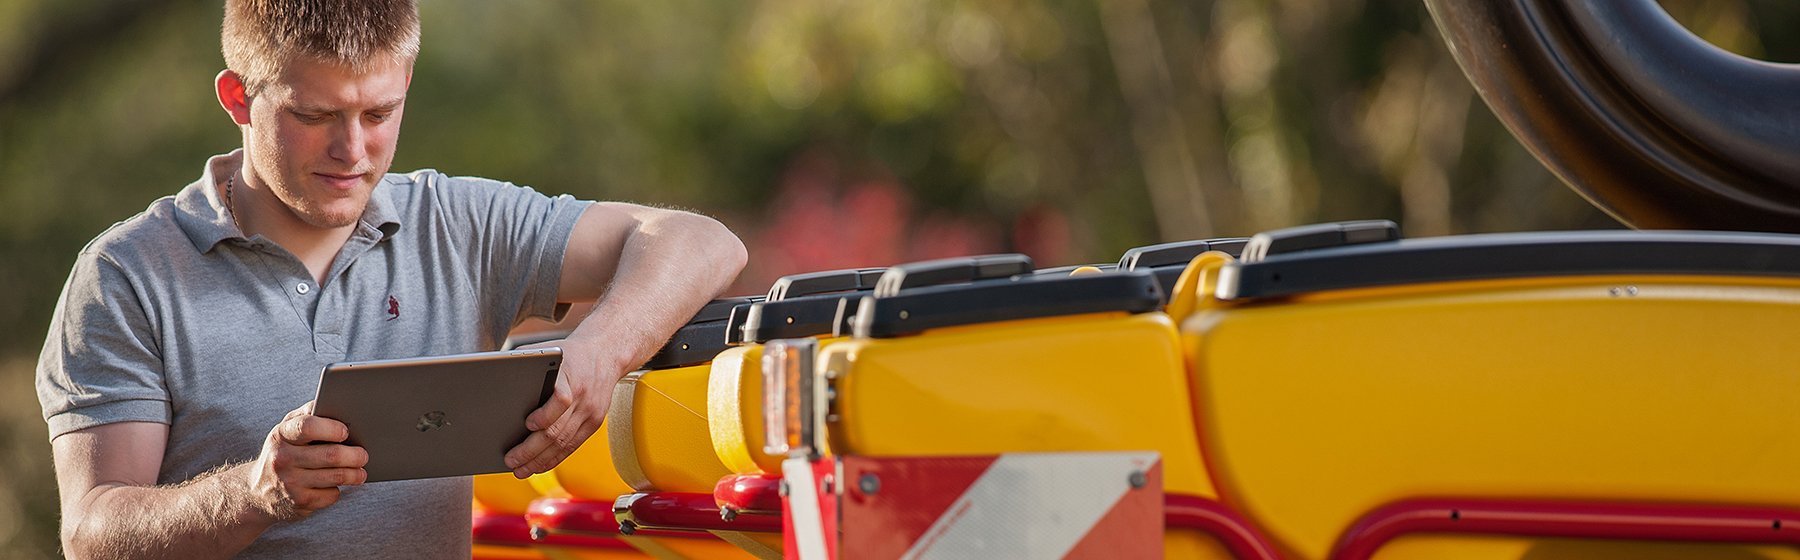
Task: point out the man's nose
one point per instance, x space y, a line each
349 144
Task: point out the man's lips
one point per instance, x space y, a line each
344 181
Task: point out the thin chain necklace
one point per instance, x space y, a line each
230 210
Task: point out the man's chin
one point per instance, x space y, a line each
331 219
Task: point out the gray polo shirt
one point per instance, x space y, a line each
172 316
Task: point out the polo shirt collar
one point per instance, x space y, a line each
201 213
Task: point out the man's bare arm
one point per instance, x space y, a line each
651 269
112 507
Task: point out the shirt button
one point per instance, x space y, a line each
302 288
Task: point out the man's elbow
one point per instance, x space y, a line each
83 537
725 251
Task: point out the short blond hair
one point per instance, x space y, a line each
259 36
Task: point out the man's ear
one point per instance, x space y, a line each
232 96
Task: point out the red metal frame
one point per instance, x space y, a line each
749 493
1537 518
1232 530
558 517
690 511
514 531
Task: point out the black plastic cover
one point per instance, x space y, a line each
1065 270
701 338
801 317
1515 255
1318 236
953 270
1026 297
811 283
1179 253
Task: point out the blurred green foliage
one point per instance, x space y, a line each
827 133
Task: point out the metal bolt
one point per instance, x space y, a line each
538 533
869 484
627 527
1137 479
782 489
727 514
904 314
825 484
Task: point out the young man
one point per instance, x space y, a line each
189 338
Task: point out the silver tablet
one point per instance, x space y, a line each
438 416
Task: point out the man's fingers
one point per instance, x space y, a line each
563 437
329 456
306 428
328 478
533 445
560 401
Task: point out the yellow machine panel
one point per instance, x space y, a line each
734 412
588 473
659 433
1095 382
1315 409
501 493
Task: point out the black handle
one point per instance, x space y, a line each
1179 252
950 271
1318 236
851 279
1653 124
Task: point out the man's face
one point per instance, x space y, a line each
321 136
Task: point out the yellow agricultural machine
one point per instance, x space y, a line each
1324 391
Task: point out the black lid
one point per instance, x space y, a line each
1318 236
803 305
796 285
824 314
1065 270
701 338
917 309
1514 255
952 270
1179 253
1167 260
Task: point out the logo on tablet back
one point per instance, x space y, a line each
433 419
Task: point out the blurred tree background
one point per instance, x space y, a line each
827 133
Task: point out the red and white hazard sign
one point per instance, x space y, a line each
1023 505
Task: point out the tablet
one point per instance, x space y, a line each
438 416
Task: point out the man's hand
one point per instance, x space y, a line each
302 465
576 409
651 269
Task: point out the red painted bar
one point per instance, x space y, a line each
514 531
1529 518
564 516
1193 512
693 511
749 493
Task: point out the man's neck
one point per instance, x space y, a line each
258 211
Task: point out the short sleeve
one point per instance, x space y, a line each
517 240
100 363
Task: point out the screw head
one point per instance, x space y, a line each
1137 479
869 484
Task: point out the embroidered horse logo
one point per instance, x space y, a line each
393 308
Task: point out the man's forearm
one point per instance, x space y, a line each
657 292
211 516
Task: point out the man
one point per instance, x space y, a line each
189 338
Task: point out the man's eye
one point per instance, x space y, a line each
309 118
378 117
